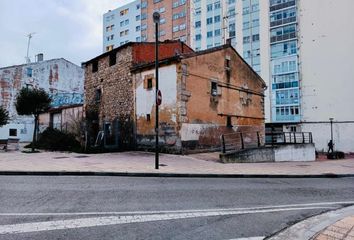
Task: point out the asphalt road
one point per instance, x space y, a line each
161 208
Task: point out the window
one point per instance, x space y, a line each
209 34
137 18
162 20
198 24
217 32
95 66
209 7
124 12
98 95
29 72
138 6
198 37
214 89
138 39
143 4
228 122
175 28
13 132
182 26
217 5
112 59
217 19
137 28
148 118
162 10
209 20
149 83
143 16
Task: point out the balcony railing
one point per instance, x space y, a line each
282 6
283 37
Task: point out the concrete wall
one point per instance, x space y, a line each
61 79
281 153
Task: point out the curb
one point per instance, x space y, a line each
167 175
310 227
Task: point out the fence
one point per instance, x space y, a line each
241 140
277 138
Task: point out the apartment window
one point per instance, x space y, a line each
175 28
162 10
162 20
143 4
124 12
217 32
246 39
143 26
137 17
231 1
198 24
138 39
209 34
255 38
217 19
198 37
95 66
137 28
112 59
209 21
210 7
182 26
138 6
143 16
217 5
109 48
162 33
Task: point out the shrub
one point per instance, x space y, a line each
56 140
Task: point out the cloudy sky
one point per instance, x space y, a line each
71 29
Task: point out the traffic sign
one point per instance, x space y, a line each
159 98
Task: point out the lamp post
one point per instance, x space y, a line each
156 17
331 120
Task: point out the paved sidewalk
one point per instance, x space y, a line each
341 230
143 162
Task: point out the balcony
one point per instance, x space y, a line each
283 37
283 21
282 6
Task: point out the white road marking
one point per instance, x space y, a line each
115 220
177 211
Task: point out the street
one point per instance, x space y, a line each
47 207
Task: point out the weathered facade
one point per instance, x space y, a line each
110 92
61 79
205 95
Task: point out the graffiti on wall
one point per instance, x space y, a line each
61 99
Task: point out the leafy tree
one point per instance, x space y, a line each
32 102
4 116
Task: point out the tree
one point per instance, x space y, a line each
32 102
4 116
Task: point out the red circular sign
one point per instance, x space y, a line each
159 98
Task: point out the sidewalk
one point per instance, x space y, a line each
332 225
143 163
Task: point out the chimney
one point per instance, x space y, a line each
39 57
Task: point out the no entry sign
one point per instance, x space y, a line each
158 98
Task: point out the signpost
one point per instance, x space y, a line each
156 17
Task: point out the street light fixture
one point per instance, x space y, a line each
156 17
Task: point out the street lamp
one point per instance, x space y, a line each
331 120
156 17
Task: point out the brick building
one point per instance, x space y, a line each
109 90
205 94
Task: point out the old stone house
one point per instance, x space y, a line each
109 91
205 94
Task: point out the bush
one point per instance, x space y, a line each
56 140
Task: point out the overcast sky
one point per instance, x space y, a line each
71 29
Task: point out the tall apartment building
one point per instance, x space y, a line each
133 22
122 25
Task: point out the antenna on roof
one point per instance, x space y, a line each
30 35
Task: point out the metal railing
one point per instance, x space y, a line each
277 138
241 140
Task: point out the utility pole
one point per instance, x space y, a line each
30 35
156 17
